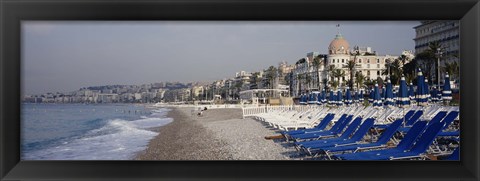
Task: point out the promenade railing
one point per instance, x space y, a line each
251 111
248 110
255 110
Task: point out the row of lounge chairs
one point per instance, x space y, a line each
357 133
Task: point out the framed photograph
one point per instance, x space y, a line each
239 90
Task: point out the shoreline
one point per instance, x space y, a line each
220 134
182 139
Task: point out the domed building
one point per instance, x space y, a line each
339 46
339 53
367 61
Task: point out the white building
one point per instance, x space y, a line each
367 62
305 75
107 98
138 96
447 33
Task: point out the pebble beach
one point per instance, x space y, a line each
219 134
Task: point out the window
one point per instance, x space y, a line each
368 65
368 60
359 60
368 73
378 60
343 60
333 60
378 72
378 65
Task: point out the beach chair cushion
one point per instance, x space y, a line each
437 118
345 135
336 129
414 118
357 136
383 139
320 127
404 144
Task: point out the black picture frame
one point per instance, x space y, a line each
12 12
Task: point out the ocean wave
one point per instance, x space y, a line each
117 139
161 112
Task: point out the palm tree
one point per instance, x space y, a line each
331 69
394 71
403 59
271 75
317 61
387 67
380 81
238 86
325 82
287 79
409 70
223 92
256 79
299 81
338 73
351 69
369 83
300 61
410 78
333 84
308 81
359 79
453 69
428 58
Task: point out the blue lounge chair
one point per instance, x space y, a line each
357 136
449 133
320 127
414 118
407 116
404 144
448 120
437 118
380 143
345 135
420 147
335 130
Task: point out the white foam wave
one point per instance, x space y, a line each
116 140
161 112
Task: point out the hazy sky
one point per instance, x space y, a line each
64 56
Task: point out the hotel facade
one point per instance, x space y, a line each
446 33
367 62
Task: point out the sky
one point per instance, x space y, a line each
63 56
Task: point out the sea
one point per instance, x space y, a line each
87 131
